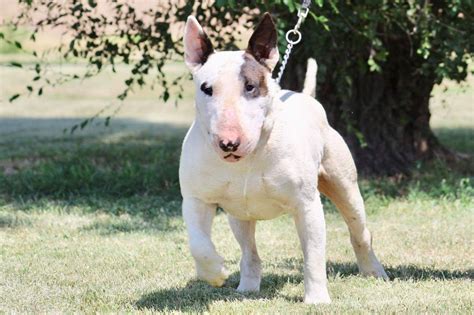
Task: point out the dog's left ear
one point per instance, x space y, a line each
197 46
263 43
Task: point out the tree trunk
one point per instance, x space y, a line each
385 121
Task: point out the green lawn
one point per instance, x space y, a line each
91 222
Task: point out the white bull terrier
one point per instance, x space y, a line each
259 152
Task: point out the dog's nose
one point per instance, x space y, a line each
229 146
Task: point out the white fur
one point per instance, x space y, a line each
222 72
310 78
292 153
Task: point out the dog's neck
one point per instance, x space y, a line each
267 126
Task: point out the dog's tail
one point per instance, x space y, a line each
310 78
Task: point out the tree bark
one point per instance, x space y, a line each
385 121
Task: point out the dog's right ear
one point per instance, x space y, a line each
197 46
263 42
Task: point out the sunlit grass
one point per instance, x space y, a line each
91 222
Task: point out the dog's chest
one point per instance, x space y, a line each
251 195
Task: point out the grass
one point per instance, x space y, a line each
91 222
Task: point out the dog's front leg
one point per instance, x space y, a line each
250 265
311 228
198 217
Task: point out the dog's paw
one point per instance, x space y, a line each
374 271
372 268
319 299
215 275
249 285
318 295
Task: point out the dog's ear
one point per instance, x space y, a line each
197 46
263 43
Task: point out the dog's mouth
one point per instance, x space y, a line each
232 157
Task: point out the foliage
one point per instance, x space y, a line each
439 32
365 34
406 45
119 33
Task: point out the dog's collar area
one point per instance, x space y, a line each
286 96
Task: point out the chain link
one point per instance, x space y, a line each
302 13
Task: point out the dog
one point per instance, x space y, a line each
258 152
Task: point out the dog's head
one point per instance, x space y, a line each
234 89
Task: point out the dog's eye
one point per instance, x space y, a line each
206 89
249 87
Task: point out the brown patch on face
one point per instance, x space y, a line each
253 73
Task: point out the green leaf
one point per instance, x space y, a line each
320 19
319 3
361 138
16 64
373 66
92 3
74 128
30 88
334 6
84 123
40 91
18 45
290 4
14 97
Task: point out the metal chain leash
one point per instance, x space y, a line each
293 36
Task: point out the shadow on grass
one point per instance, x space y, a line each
14 220
401 272
196 296
458 139
132 168
132 224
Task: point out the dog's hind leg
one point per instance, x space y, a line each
338 181
250 265
198 217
